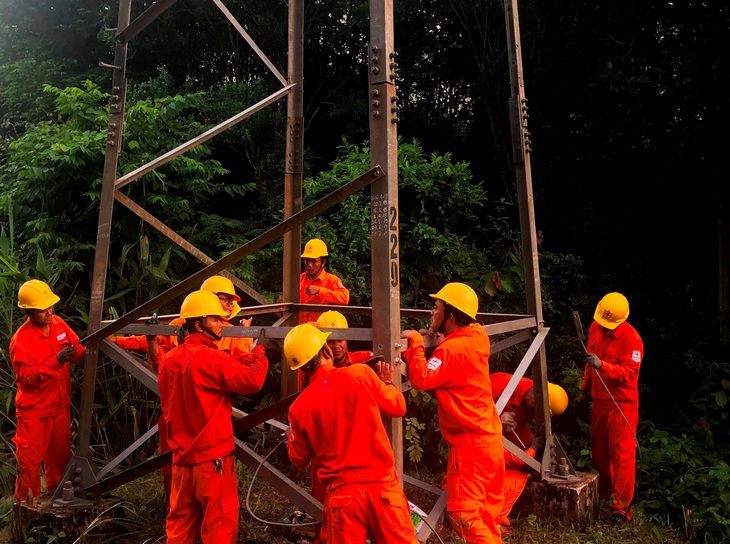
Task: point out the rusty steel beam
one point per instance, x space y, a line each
293 171
384 215
249 40
510 341
114 463
131 364
246 422
205 136
143 21
184 244
194 281
537 344
103 232
528 230
281 483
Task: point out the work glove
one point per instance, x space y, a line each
508 422
182 333
66 354
582 399
593 360
152 321
537 444
268 343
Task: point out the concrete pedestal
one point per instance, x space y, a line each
573 501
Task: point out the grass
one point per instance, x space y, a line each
269 505
143 507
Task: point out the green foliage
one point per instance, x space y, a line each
138 276
52 177
443 236
684 470
412 439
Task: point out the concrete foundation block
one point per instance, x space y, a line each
573 501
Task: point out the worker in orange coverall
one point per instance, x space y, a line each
614 353
40 352
355 459
157 346
317 286
196 382
458 372
341 357
518 414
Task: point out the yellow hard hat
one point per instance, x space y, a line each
220 284
315 248
460 296
332 319
36 295
557 399
235 308
612 310
302 343
201 304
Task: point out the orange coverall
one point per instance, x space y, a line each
523 417
516 471
331 291
238 347
613 445
318 489
42 404
458 372
196 382
515 478
354 457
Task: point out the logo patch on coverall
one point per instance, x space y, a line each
636 356
60 337
434 363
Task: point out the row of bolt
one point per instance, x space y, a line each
525 117
375 59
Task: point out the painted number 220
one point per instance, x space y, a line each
394 275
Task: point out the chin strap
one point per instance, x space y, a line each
210 332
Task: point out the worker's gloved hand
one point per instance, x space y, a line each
66 354
508 422
268 343
538 443
152 321
582 399
593 360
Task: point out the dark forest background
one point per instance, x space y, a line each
628 105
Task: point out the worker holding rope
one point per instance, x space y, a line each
613 356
